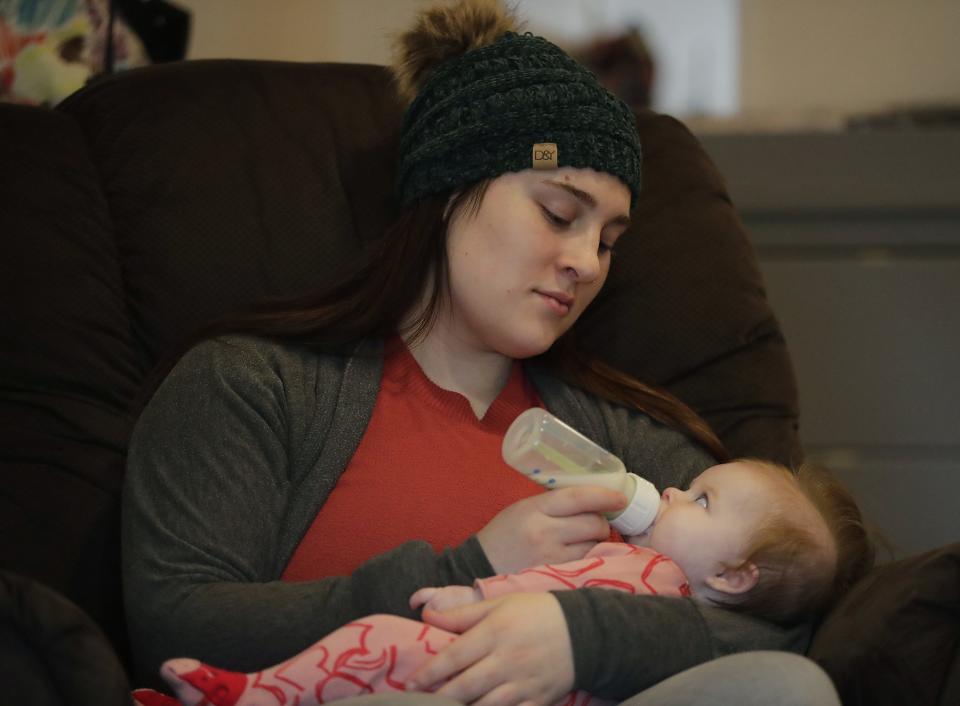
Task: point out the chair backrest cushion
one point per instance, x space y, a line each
67 366
230 180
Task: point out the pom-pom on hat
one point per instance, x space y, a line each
502 104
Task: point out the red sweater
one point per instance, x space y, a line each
426 468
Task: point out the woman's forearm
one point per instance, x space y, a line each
646 639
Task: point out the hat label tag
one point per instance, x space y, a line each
545 155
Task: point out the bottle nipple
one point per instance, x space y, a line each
641 511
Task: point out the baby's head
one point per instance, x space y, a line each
754 537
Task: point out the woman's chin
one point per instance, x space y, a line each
529 349
531 344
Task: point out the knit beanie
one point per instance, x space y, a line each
516 103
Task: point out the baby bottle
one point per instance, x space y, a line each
557 456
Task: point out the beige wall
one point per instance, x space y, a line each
848 54
797 55
296 30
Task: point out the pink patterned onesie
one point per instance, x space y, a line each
378 653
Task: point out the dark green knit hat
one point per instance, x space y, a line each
517 103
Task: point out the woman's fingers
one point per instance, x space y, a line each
578 551
460 654
479 686
581 528
537 530
512 649
581 499
461 619
473 683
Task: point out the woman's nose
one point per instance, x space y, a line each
582 260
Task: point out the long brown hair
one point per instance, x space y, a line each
386 283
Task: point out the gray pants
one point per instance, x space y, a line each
745 679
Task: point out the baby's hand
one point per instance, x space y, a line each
445 598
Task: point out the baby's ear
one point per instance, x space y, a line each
735 580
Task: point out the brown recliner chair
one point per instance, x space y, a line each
158 200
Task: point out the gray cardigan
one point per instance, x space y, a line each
235 456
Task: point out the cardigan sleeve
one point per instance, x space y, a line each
623 644
212 476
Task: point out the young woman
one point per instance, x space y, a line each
324 458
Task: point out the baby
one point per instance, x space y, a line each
748 536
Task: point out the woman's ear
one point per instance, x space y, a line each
734 580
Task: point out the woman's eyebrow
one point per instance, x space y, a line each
587 200
580 194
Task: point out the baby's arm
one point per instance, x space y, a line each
621 567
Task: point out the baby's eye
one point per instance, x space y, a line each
604 248
702 501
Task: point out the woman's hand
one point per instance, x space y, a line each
445 598
549 528
513 650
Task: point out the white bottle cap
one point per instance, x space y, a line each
641 510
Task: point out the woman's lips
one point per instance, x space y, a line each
559 302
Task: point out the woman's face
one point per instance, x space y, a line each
525 265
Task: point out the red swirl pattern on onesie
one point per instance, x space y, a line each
378 654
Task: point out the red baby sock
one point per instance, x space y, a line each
198 684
